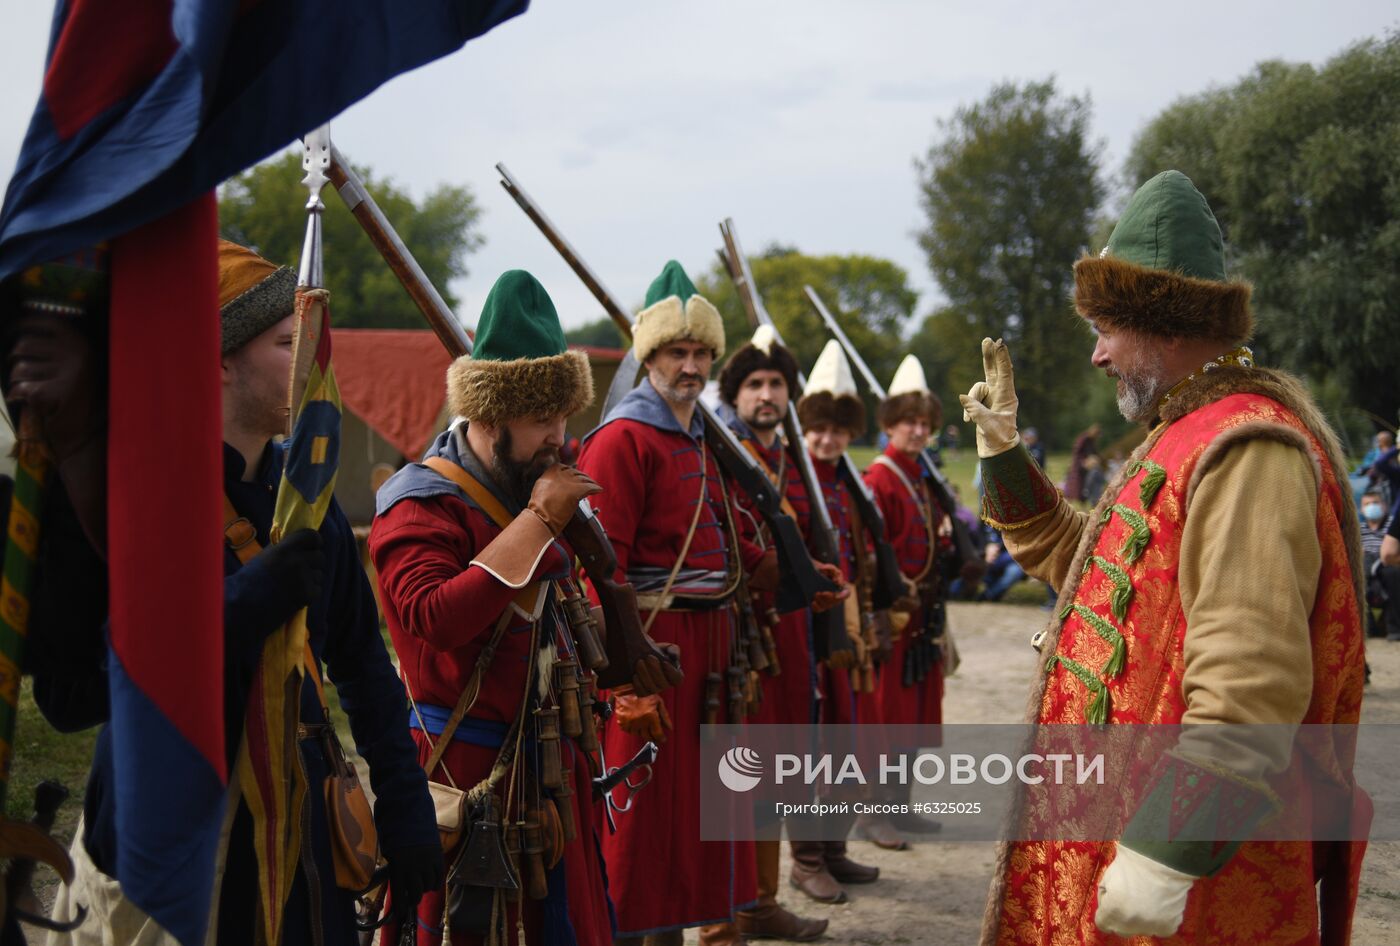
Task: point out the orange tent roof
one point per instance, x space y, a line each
395 381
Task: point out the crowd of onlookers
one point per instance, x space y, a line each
1376 484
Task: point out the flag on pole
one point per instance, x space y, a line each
126 143
269 772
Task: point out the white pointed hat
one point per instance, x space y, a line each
763 338
908 378
830 395
832 372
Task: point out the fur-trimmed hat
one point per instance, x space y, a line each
674 310
762 352
1163 270
520 365
830 396
254 295
909 396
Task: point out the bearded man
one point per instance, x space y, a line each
1159 623
472 574
670 513
755 388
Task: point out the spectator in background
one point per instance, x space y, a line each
1385 475
1086 445
950 440
1002 570
1390 578
1372 535
1093 478
1031 438
1361 476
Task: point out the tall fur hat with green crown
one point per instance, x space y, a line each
1163 270
520 365
675 311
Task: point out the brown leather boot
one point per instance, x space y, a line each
721 934
809 873
878 831
845 870
766 919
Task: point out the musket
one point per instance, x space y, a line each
829 626
801 579
942 491
889 582
633 657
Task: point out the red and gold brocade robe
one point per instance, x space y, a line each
1216 582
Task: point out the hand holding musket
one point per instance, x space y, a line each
633 657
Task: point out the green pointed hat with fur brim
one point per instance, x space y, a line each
1163 270
674 310
520 365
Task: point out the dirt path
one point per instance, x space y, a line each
935 892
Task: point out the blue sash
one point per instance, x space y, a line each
489 733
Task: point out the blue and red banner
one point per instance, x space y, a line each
148 105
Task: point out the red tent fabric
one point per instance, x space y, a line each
394 380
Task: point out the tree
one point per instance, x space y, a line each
264 208
1010 190
600 333
1299 165
869 296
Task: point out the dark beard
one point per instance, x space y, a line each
765 423
518 477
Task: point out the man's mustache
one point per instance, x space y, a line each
698 379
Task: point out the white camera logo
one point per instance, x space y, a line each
740 769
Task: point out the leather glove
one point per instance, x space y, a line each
556 495
826 600
1141 897
991 404
642 716
652 673
293 573
765 576
413 871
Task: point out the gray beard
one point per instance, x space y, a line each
1138 397
675 395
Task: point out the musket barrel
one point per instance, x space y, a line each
386 240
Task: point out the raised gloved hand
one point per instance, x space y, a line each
1140 897
991 404
556 494
765 576
292 573
642 716
413 871
826 600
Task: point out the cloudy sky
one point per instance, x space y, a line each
639 125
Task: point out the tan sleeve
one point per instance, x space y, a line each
1045 548
1039 526
1250 561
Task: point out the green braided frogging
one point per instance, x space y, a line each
1136 542
1111 634
1122 595
1097 710
1152 483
